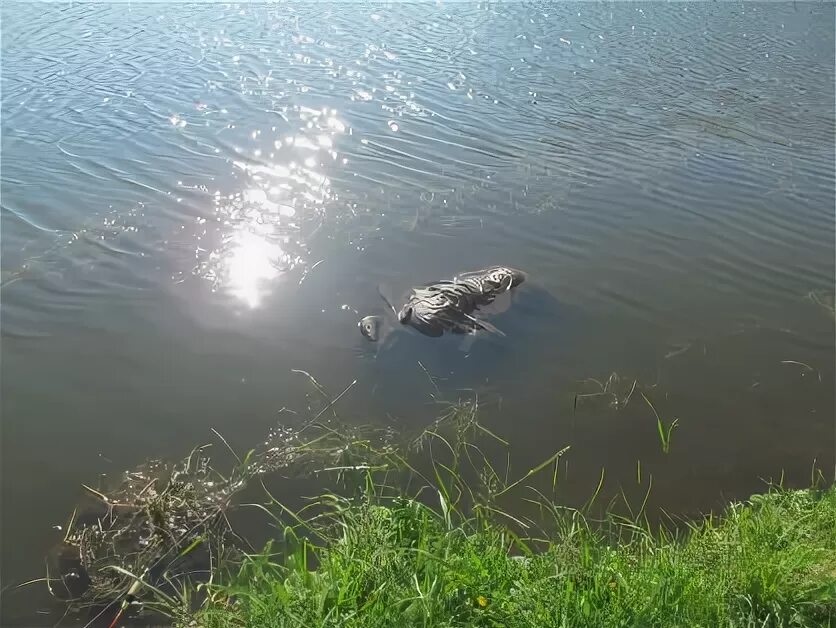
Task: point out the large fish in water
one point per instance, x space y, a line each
449 305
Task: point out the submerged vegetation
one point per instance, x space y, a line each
401 539
612 390
146 529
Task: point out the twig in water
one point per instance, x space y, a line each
223 440
319 387
308 270
630 394
333 401
676 352
430 377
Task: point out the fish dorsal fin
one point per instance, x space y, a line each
472 273
386 295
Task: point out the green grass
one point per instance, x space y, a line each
768 562
446 554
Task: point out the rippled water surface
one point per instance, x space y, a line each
197 199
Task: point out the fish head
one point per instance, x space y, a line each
370 327
517 276
506 278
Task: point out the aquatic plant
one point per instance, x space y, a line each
148 527
444 552
419 532
663 431
616 390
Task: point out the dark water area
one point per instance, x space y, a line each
198 199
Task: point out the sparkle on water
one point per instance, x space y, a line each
252 262
259 223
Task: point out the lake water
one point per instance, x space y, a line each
198 199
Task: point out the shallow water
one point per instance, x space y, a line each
197 199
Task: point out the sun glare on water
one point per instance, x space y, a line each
253 262
263 229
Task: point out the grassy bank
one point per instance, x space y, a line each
431 533
768 562
445 554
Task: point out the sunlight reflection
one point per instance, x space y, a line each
253 261
263 229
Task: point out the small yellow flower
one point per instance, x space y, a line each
613 584
482 601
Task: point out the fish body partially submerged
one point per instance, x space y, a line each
449 305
